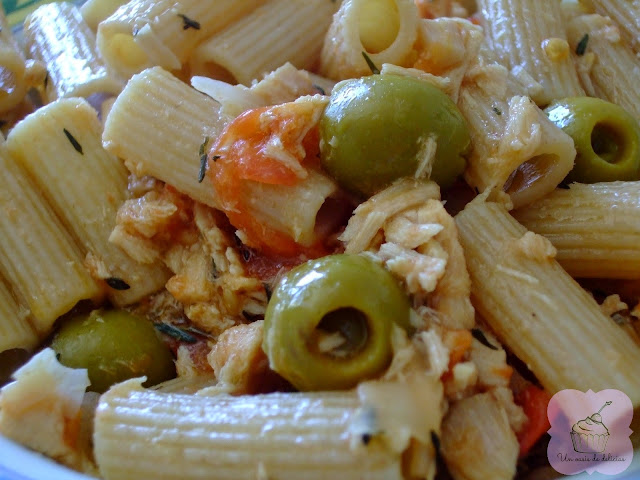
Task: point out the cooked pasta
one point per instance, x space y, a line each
37 253
13 85
532 40
354 31
57 35
61 166
518 286
144 33
593 228
277 32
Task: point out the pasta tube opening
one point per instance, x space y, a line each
123 48
533 175
379 25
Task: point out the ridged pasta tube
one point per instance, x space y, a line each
385 30
625 14
57 35
277 32
15 327
608 67
144 33
538 311
13 82
516 148
60 146
95 11
37 255
532 39
595 228
145 434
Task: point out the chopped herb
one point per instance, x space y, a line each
436 442
73 141
46 80
477 191
479 335
175 332
203 160
267 290
58 356
375 70
187 23
320 89
246 254
117 283
197 331
582 45
215 158
497 111
366 438
214 269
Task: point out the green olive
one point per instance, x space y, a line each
606 137
113 345
328 324
377 129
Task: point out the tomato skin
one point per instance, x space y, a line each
243 154
534 401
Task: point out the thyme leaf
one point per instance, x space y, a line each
188 23
73 141
203 160
117 283
582 45
497 111
175 332
375 70
479 335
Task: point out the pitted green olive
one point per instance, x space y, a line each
380 128
328 324
606 137
114 346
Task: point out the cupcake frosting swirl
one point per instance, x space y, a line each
590 426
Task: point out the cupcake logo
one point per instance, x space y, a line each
590 435
590 432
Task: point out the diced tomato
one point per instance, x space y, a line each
244 154
534 401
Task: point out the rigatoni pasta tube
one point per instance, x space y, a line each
15 328
57 35
13 84
279 31
61 148
595 228
95 11
515 147
144 33
236 438
140 129
538 311
37 255
477 440
625 13
384 30
608 67
529 35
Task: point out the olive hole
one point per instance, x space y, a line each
529 172
606 142
342 333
